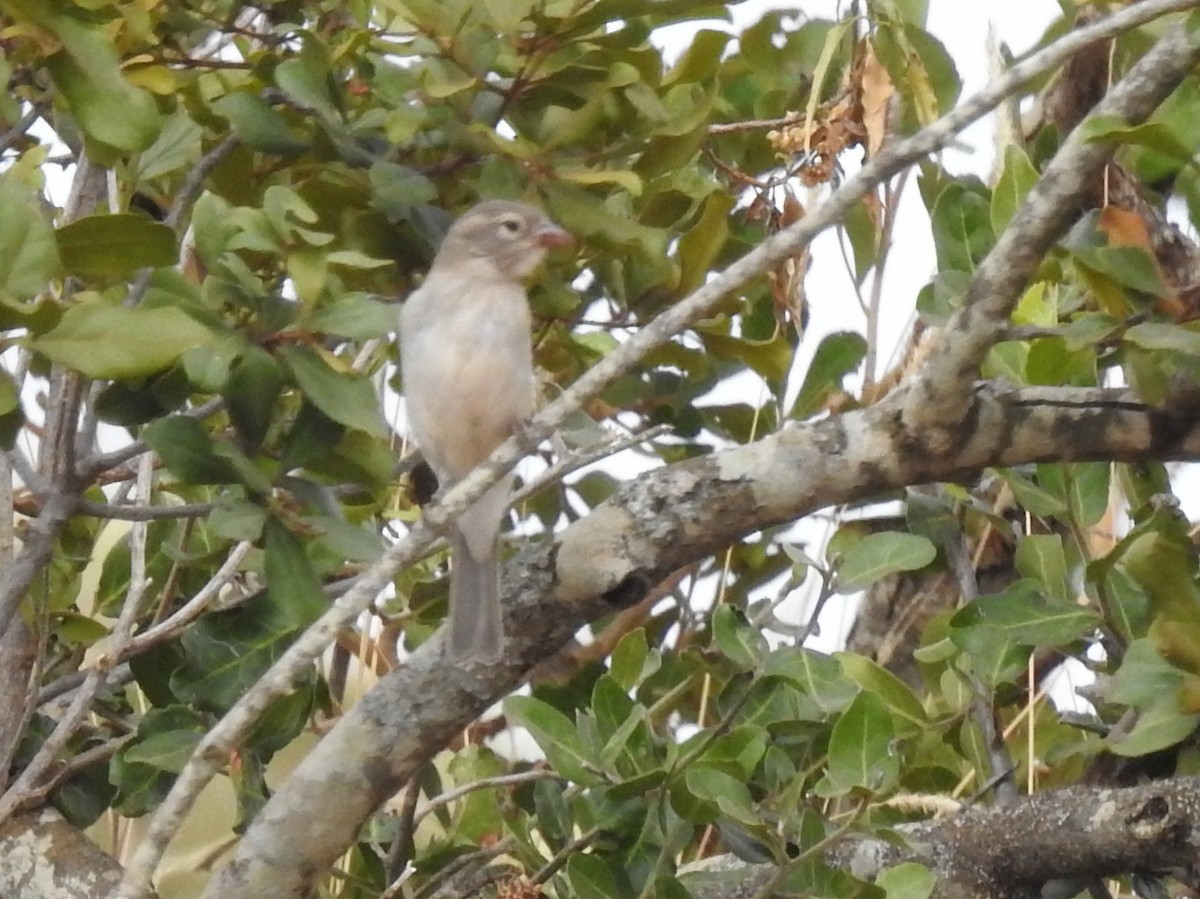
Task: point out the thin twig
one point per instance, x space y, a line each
195 607
581 842
400 854
485 783
91 467
794 118
17 131
114 512
571 462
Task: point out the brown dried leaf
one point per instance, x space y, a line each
877 92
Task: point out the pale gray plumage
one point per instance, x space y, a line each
467 372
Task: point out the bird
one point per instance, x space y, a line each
466 370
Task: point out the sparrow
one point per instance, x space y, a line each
466 368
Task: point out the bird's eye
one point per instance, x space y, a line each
511 225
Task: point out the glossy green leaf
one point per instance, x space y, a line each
860 751
838 355
348 399
737 639
103 341
907 880
906 709
291 582
114 246
29 255
556 736
591 877
1017 177
1041 557
879 555
187 449
104 104
252 393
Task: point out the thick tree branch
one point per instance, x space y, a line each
1064 837
1076 834
665 519
44 856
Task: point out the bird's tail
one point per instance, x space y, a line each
476 626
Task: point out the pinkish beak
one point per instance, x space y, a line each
552 237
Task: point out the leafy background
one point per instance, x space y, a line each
254 187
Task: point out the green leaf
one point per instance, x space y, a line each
592 877
228 651
879 555
28 251
178 145
348 399
962 225
739 641
105 342
291 582
306 78
860 754
1088 485
1041 557
728 794
1159 726
1023 615
838 355
1162 336
186 448
629 659
395 189
166 751
1031 496
106 107
556 736
906 709
354 315
907 880
1145 676
703 242
819 676
11 416
1155 135
1016 179
259 126
251 393
115 246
